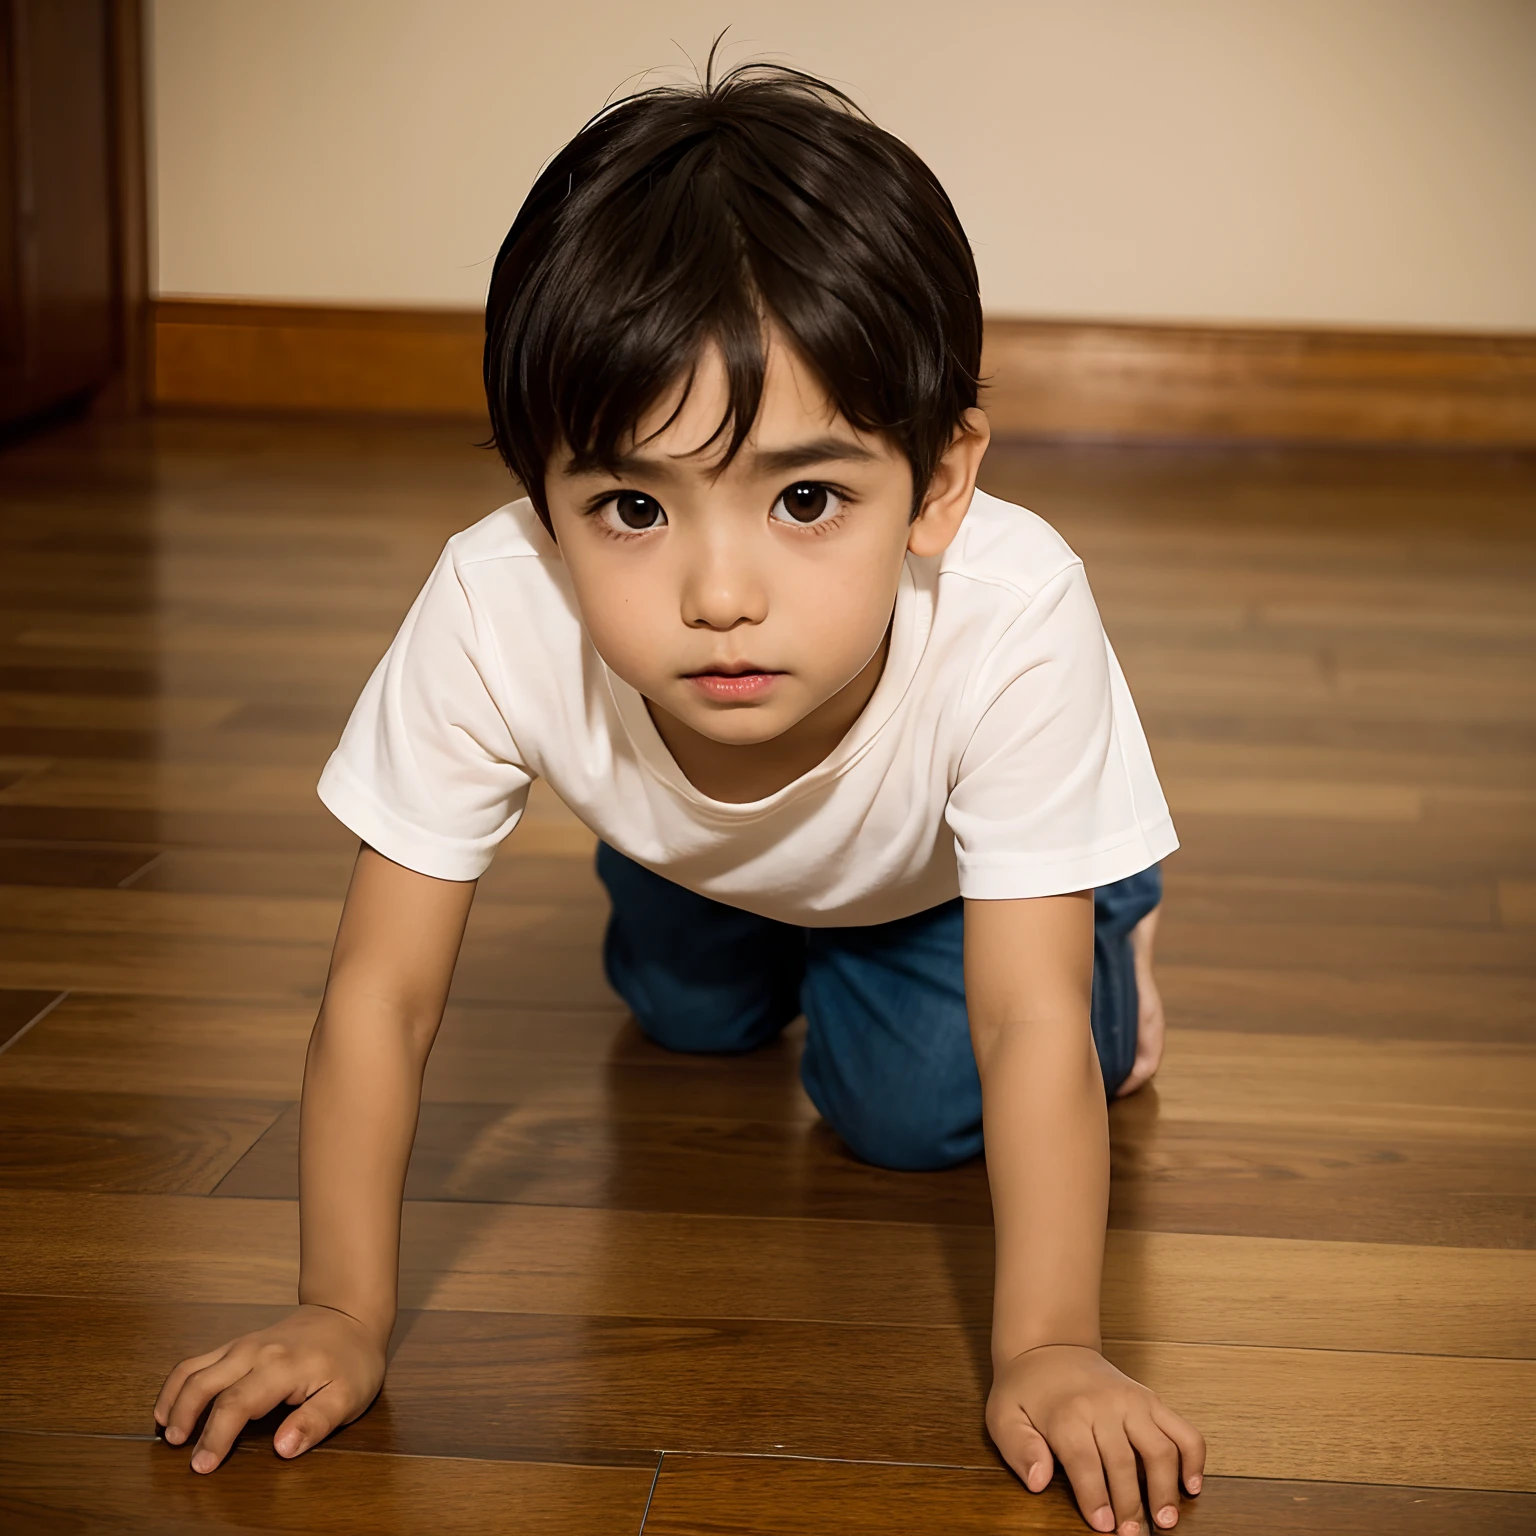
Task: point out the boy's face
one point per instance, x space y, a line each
741 599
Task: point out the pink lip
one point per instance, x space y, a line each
728 686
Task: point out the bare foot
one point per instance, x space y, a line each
1150 1025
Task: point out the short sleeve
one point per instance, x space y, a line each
1055 790
427 771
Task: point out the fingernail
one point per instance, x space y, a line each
1167 1515
1131 1528
173 1436
204 1461
289 1444
1102 1519
1193 1484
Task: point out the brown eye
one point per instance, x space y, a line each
632 512
805 503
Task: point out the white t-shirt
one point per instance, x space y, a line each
999 756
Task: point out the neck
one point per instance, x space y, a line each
737 775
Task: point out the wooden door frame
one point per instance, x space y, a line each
127 88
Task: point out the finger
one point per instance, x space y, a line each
1190 1441
200 1389
1160 1456
313 1420
177 1379
1078 1454
249 1398
1120 1463
1024 1448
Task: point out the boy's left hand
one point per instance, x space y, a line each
1068 1399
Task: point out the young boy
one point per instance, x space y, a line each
849 732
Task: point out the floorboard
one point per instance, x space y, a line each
773 1496
1323 1215
613 1390
458 1256
125 1141
51 1485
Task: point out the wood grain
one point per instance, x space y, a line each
1312 1181
1255 899
457 1256
1322 1211
776 1496
1467 1091
70 866
1464 845
149 1043
515 876
304 830
99 1487
1278 1000
115 948
307 357
18 1009
1360 947
1215 383
124 1141
613 1390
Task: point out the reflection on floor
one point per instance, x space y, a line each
1321 1219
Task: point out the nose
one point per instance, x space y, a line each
722 585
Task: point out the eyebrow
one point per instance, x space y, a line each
772 461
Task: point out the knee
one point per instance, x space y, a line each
693 1016
909 1134
702 1029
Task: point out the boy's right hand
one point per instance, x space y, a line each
324 1361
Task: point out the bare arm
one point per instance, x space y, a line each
1028 972
1028 981
390 971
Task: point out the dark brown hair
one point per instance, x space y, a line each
687 214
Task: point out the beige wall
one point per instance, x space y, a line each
1357 162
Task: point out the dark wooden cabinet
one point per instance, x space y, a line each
61 294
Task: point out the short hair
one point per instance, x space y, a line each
687 214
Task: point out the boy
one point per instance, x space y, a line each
849 732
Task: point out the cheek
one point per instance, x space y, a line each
841 599
625 614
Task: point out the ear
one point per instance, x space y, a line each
953 485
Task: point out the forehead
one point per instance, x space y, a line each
686 421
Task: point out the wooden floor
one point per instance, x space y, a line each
650 1289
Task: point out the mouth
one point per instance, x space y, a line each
738 681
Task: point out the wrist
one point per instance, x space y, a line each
1005 1350
376 1323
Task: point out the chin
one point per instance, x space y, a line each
739 725
740 728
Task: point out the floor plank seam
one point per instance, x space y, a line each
127 882
36 1019
650 1493
997 1466
839 1461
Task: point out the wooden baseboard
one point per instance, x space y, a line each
1218 383
308 357
1056 379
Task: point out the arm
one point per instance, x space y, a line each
1028 979
390 971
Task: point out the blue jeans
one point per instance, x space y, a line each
888 1058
